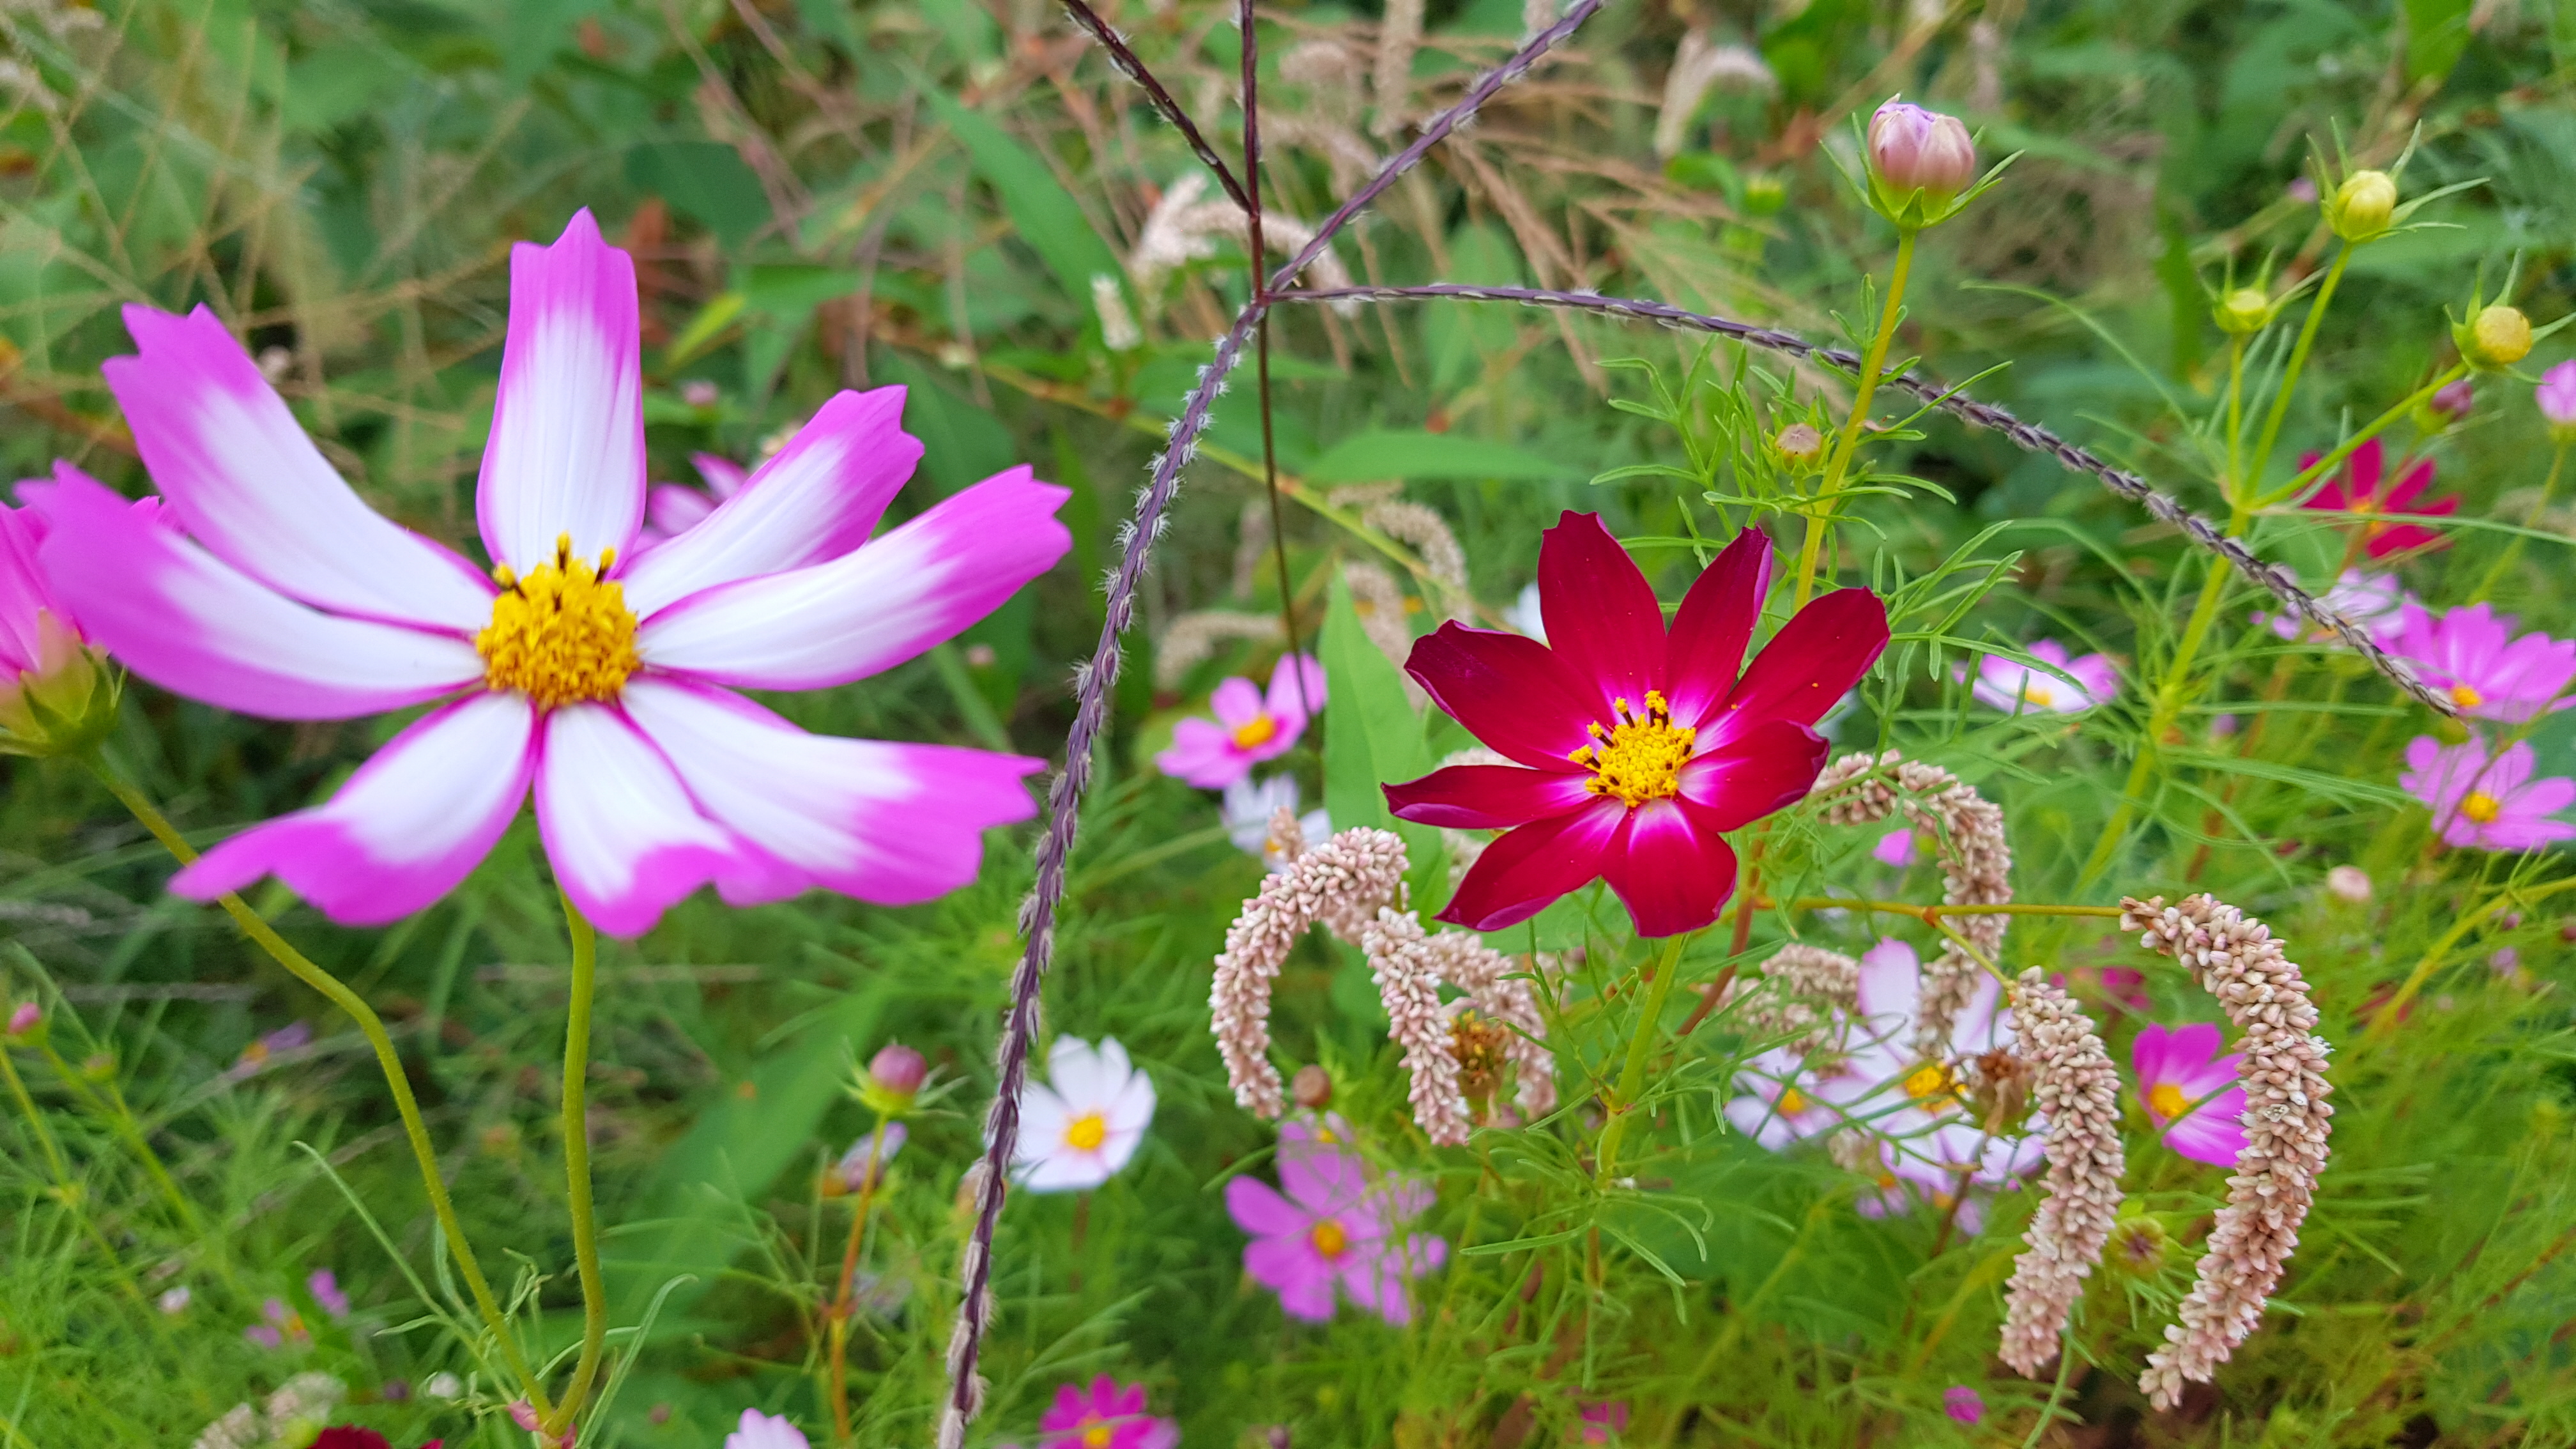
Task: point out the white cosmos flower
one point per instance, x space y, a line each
1249 806
1079 1127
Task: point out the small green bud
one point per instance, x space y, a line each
66 704
2243 311
2495 339
1764 195
1800 447
2361 207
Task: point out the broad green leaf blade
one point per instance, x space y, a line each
1372 737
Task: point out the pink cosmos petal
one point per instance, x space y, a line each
1767 767
672 509
1376 1278
243 479
566 455
1809 665
1714 626
886 822
193 624
23 594
1603 622
1203 754
1320 1175
725 477
410 824
1509 691
1526 871
1895 848
2149 1055
1671 868
1296 682
1235 702
624 837
1293 1269
2207 1077
1891 983
1258 1209
1488 797
815 500
2213 1134
873 608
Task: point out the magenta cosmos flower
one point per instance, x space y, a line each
2176 1070
1104 1416
671 509
54 693
1638 746
1249 727
2018 688
2358 493
2489 803
1333 1226
2556 398
2473 655
602 679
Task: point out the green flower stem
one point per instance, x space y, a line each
2384 1021
843 1297
2513 548
112 1110
2280 411
576 1130
66 1190
2405 407
2236 407
296 964
1872 363
1641 1047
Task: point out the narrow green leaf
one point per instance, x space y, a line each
1042 212
1371 735
1385 453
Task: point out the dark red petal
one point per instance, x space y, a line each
2413 481
1807 667
1526 871
2363 467
1768 767
1671 868
1716 621
2332 497
2405 538
1486 797
1603 621
1508 690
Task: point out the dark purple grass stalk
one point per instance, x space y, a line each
2028 436
1094 680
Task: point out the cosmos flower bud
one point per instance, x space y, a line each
1800 446
2349 883
1764 195
893 1079
2361 207
1312 1087
26 1018
1912 149
2556 396
2453 402
2497 337
2244 310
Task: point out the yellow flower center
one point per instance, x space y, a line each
1637 759
1328 1238
559 634
1792 1102
1086 1131
2465 697
1255 732
2166 1101
1930 1081
1096 1437
2481 807
2037 693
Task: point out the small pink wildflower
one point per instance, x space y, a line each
285 1039
1895 848
325 1287
1105 1416
25 1018
2471 653
2556 396
671 509
2375 601
2178 1068
284 1326
1963 1403
866 1160
1249 727
2020 689
765 1431
2487 803
1603 1420
1333 1225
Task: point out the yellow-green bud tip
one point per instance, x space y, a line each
2497 337
2361 207
2244 310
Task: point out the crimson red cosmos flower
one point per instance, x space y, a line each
1642 747
2357 493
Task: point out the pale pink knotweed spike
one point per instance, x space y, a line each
1967 833
1408 982
2236 958
2074 1086
1287 837
1340 885
1783 1000
1504 997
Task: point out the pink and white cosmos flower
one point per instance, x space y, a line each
2473 655
671 509
2191 1091
1250 726
601 679
2488 802
2019 689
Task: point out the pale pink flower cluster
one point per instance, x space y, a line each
2236 958
2075 1087
1795 995
1399 955
1339 885
1967 834
1503 996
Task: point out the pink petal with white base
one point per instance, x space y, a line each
871 609
191 623
886 822
625 839
566 454
410 824
819 498
243 479
672 509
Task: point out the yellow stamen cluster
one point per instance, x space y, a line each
1086 1132
559 633
1328 1238
1478 1042
2482 807
1098 1436
1927 1082
1255 732
1637 759
2166 1101
2465 697
1792 1102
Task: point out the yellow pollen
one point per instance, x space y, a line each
2465 697
1931 1081
559 633
1328 1238
2481 807
1792 1102
1252 734
2038 694
1086 1132
2166 1101
1638 759
1325 1136
1096 1437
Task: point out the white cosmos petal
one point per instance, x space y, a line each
1069 1170
566 454
625 839
247 483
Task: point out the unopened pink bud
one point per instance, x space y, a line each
2557 398
24 1019
1913 149
898 1069
2453 402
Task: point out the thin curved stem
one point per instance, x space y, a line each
844 1296
302 969
576 1130
2513 548
2289 384
1872 362
1641 1048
